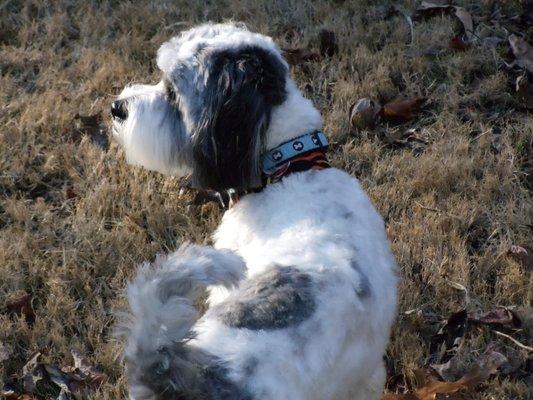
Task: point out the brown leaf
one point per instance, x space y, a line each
522 51
515 358
457 43
428 10
328 43
404 137
67 382
22 306
499 316
466 21
91 126
300 56
93 377
397 10
451 332
450 370
402 109
523 255
363 114
9 395
486 367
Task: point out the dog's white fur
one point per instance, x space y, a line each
321 222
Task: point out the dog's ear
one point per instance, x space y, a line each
241 88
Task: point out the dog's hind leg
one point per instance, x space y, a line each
159 362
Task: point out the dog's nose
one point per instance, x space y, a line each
119 109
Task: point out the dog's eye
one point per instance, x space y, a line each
171 93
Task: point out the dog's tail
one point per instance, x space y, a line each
161 300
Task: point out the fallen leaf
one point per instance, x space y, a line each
328 43
363 113
403 137
486 367
466 20
515 359
22 306
91 126
457 43
427 10
396 10
77 382
300 56
451 332
32 373
499 316
402 109
9 395
93 377
450 370
522 51
524 89
523 255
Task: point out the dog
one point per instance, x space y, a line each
301 282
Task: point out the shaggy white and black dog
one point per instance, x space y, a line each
301 281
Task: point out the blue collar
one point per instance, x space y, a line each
278 156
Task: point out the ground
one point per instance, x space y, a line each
75 219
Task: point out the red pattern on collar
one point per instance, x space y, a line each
314 160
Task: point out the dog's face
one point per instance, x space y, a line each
209 114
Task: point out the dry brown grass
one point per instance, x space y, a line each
75 220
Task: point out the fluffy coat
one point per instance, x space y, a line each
301 280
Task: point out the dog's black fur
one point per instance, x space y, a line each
242 87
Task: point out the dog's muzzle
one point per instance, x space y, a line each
119 110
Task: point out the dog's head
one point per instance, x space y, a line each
210 113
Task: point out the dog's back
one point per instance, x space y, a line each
301 280
341 302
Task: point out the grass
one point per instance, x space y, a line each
75 219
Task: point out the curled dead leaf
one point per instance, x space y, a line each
451 332
363 113
402 109
499 316
397 10
522 51
428 10
488 365
77 382
299 56
466 21
92 376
